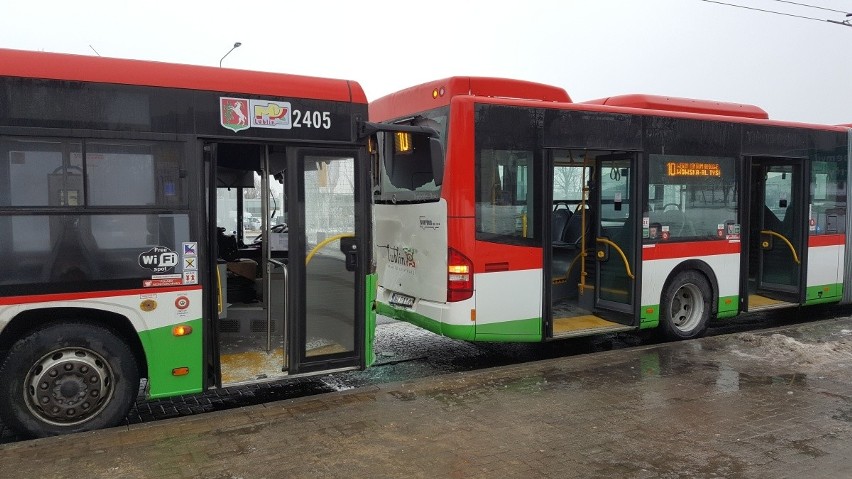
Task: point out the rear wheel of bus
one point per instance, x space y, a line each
65 378
685 306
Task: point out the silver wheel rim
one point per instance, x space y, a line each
686 308
68 386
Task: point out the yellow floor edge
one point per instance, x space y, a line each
756 300
577 323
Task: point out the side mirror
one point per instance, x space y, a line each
436 152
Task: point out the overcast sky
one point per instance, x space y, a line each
795 69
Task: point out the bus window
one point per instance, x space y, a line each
406 172
154 169
504 204
568 184
828 197
29 162
689 197
506 174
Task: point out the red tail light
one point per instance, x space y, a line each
459 276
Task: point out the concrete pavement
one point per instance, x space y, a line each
774 403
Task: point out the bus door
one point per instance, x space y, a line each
615 216
776 234
248 237
592 238
329 247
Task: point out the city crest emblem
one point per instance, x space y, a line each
233 113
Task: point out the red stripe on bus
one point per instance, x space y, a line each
41 298
507 257
688 249
60 66
827 240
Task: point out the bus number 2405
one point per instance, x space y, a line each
311 119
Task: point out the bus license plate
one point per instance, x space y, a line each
402 300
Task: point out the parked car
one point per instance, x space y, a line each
251 223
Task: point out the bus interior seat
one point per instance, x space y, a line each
574 230
559 224
566 253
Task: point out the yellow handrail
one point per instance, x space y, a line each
620 252
325 242
219 287
571 266
583 195
785 240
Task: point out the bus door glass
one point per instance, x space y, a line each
615 236
777 231
327 271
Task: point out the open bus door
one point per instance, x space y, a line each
248 257
776 258
289 289
329 248
593 234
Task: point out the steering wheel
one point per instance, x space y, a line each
674 205
279 228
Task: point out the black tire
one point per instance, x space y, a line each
68 377
685 306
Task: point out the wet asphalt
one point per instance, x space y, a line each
773 402
406 353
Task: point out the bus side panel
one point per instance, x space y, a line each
508 306
166 353
153 314
410 243
459 171
825 268
660 260
508 284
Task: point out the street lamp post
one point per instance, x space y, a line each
229 52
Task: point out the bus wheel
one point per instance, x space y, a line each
68 377
685 306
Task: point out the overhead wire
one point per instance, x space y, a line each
845 22
811 6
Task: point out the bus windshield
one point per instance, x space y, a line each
409 178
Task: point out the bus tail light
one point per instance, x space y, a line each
459 276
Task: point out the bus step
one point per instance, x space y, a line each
757 302
585 325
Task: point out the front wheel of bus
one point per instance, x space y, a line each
67 377
685 306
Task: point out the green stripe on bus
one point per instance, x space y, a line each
522 330
165 352
826 293
649 317
370 315
465 333
729 306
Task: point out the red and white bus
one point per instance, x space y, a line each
196 227
550 219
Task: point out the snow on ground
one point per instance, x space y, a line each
783 350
